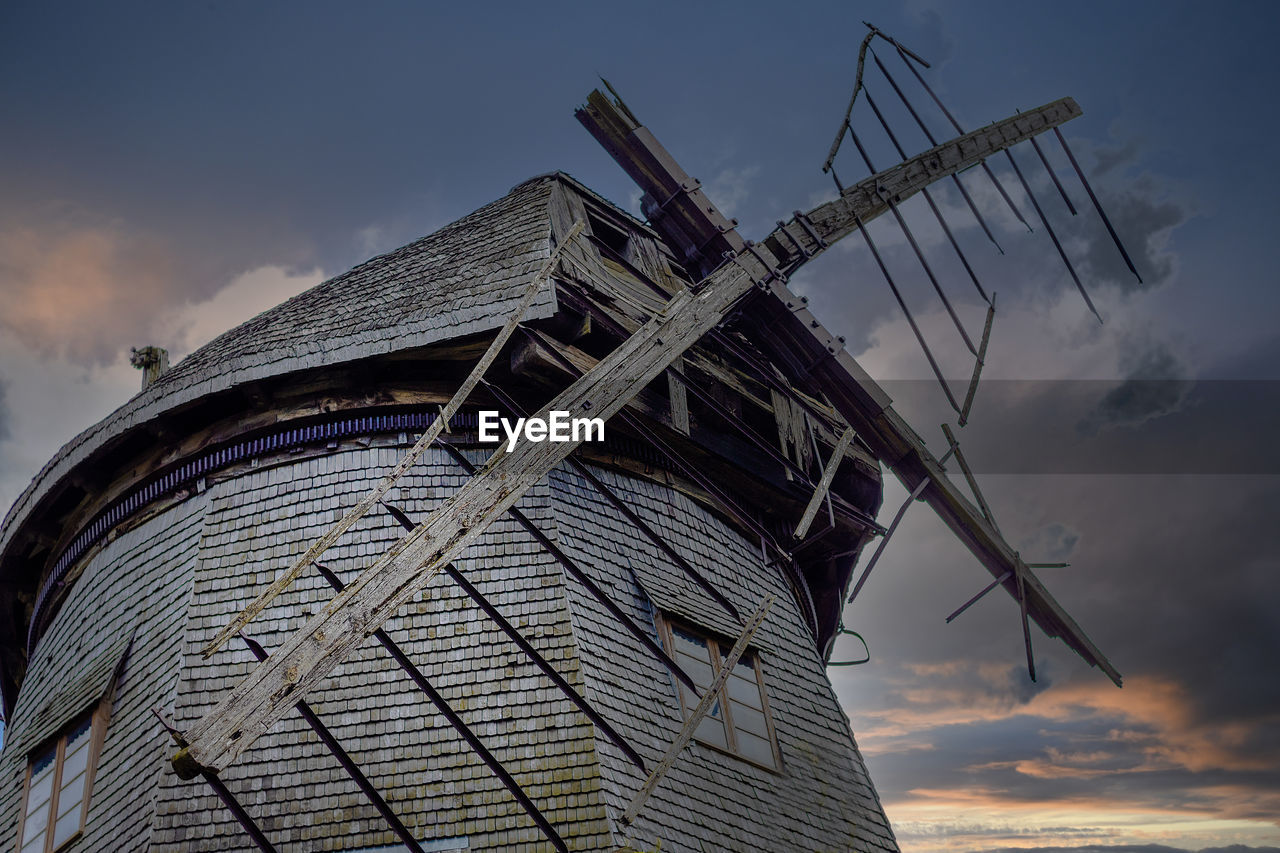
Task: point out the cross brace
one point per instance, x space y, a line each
269 692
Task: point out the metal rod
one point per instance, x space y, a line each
461 727
612 497
978 363
237 811
1053 175
986 589
866 235
353 770
973 208
968 475
1026 625
1052 236
871 564
924 262
572 567
1097 205
985 168
456 575
928 196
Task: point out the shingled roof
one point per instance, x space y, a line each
461 280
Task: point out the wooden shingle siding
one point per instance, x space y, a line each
823 798
463 279
437 786
139 584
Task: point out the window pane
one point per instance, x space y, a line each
750 720
80 733
690 644
75 762
43 763
37 815
40 790
711 729
35 843
72 794
66 827
743 687
697 669
756 748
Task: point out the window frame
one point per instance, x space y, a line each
98 717
713 642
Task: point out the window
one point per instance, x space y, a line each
59 778
739 721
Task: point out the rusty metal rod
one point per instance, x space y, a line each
973 208
458 724
937 371
1097 205
1054 237
242 817
924 262
456 575
1053 175
928 197
600 595
985 168
353 770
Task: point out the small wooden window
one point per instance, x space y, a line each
55 796
739 722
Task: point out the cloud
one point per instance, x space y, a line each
731 188
83 292
4 412
1144 219
1151 389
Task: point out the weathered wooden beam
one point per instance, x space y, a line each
811 511
317 549
258 702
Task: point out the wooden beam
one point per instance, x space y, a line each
302 661
709 698
317 549
810 511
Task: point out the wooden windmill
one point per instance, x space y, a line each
698 297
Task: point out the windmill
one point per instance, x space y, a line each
649 324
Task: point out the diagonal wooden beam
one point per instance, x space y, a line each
304 659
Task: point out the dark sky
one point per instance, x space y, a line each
168 170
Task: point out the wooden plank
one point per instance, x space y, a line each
811 511
679 398
709 698
317 549
258 702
